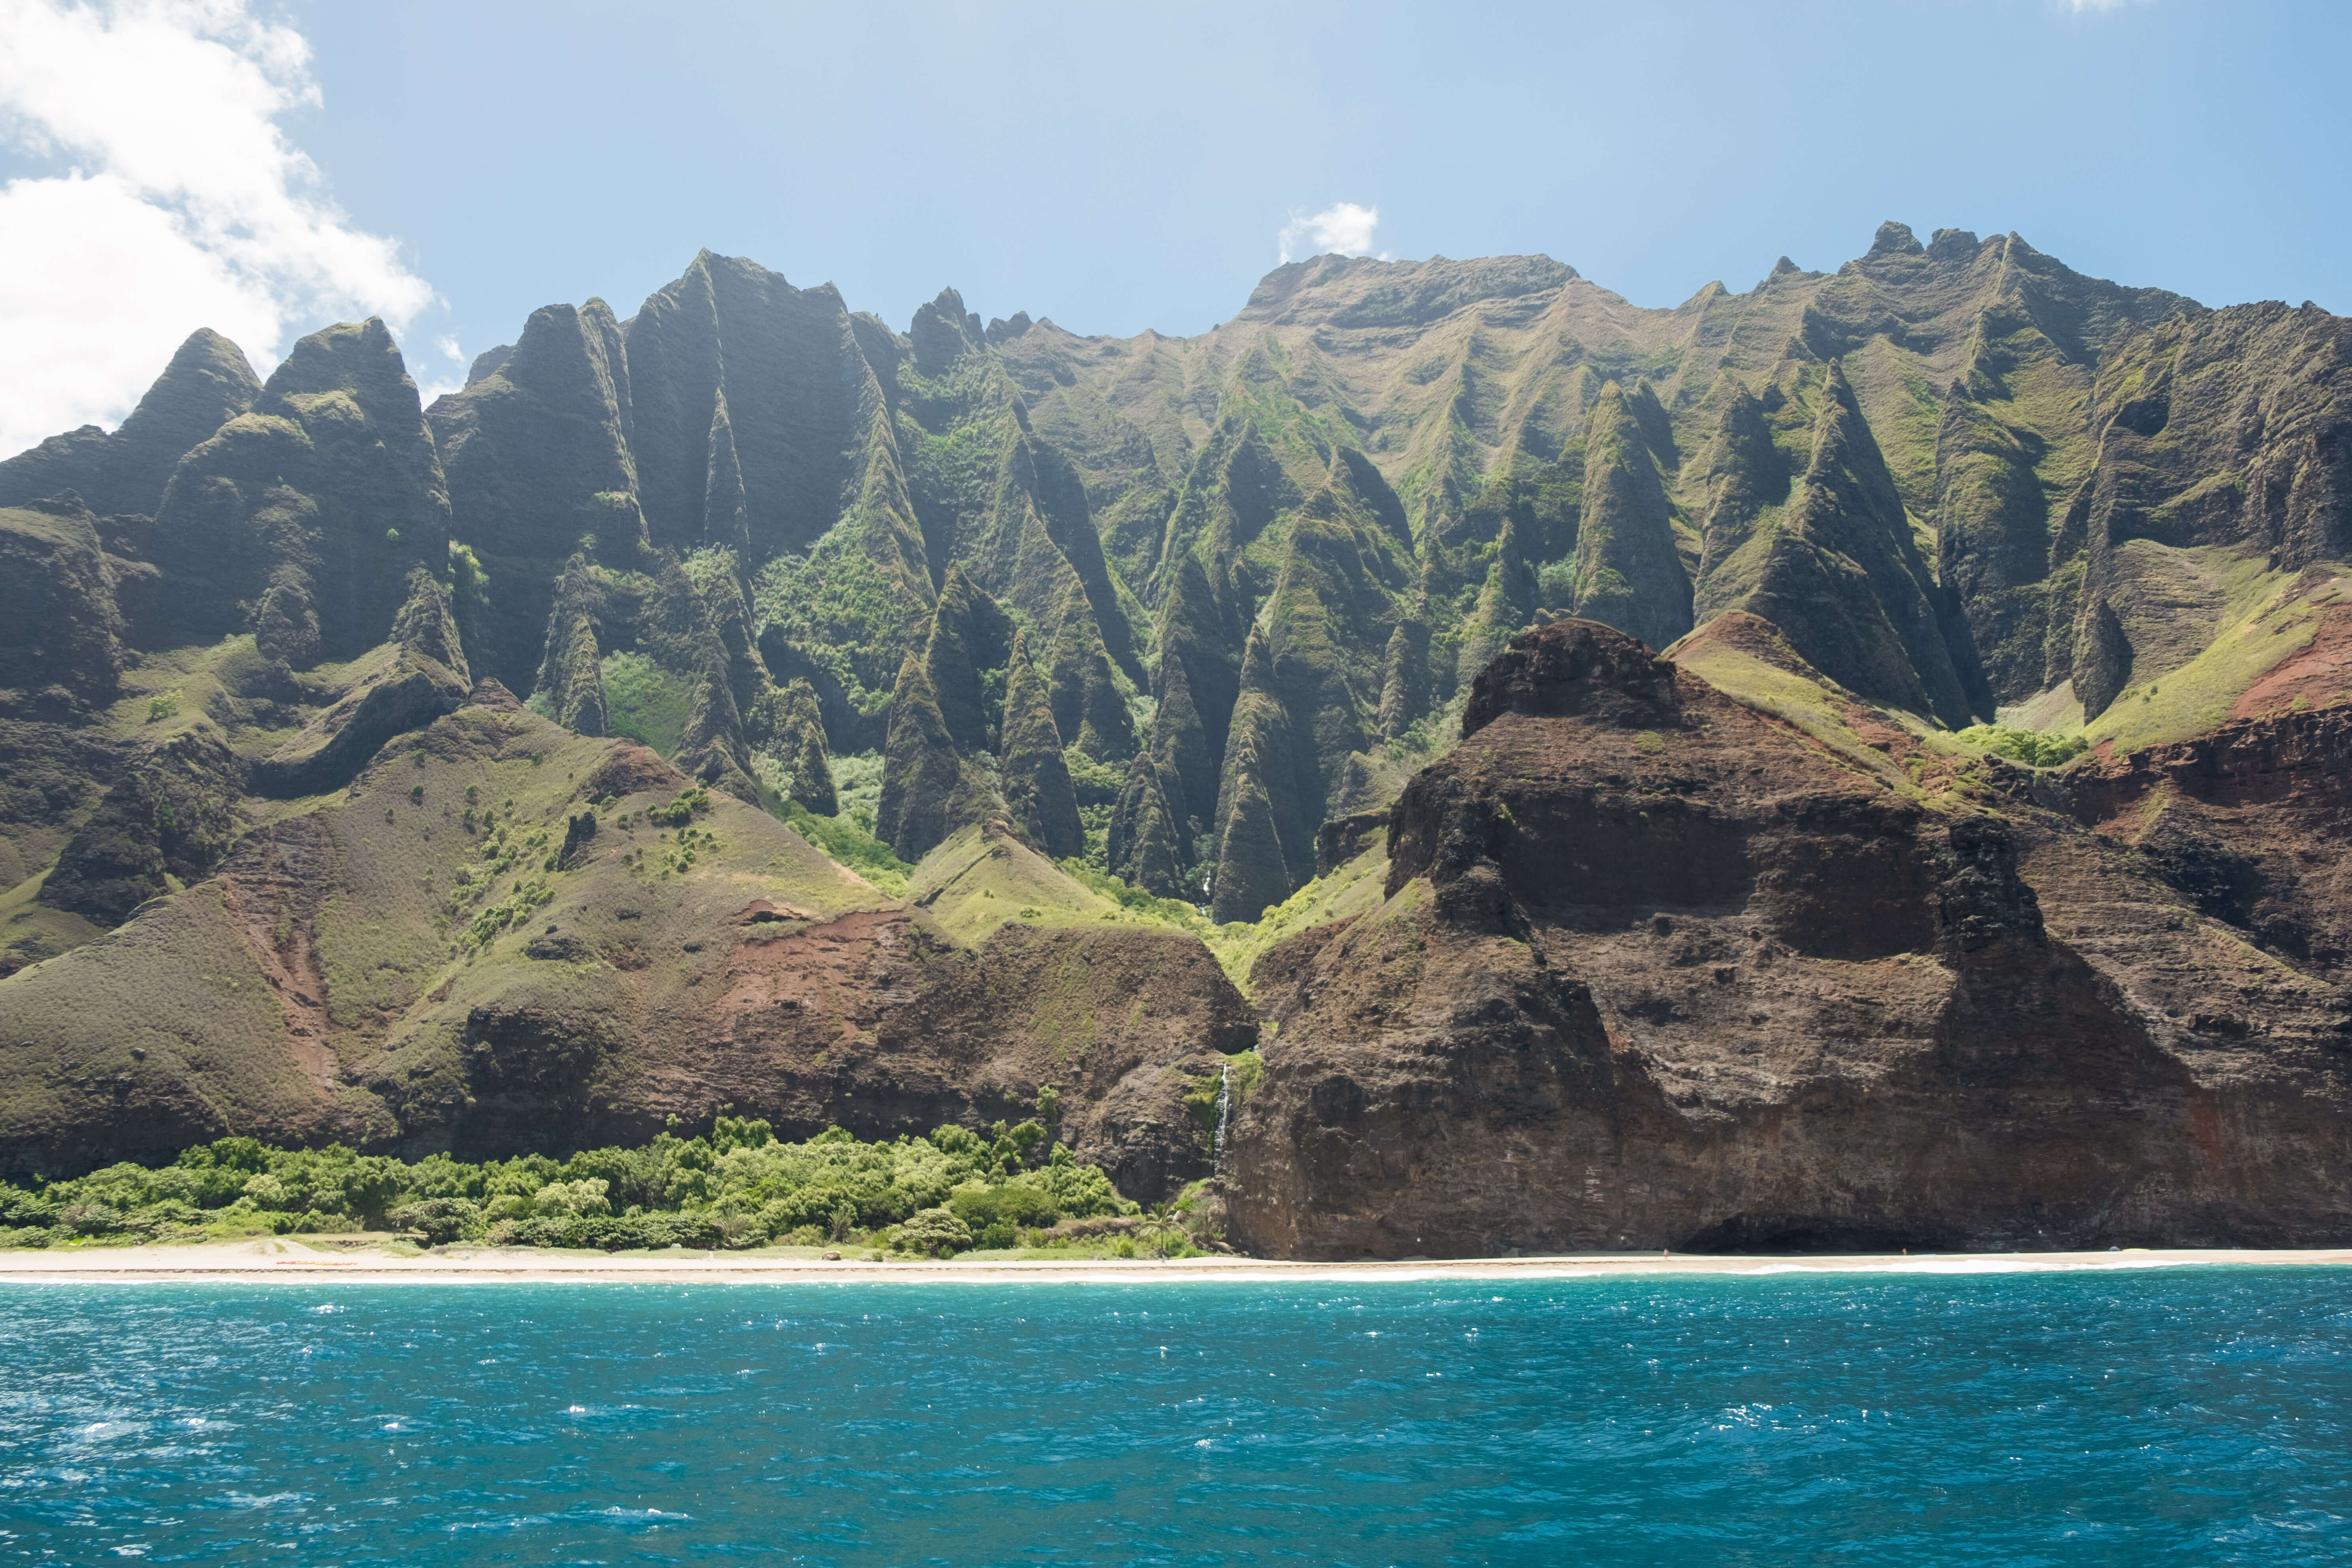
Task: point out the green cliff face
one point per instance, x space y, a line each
1839 572
60 632
301 519
799 743
1252 573
1264 836
1037 792
538 463
1628 571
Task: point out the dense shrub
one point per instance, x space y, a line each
738 1187
2035 748
934 1233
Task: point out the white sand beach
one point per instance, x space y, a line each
290 1258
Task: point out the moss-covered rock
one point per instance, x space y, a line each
1037 790
301 519
1628 571
60 632
799 743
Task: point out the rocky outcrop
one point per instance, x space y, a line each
60 632
410 682
301 521
1656 970
169 820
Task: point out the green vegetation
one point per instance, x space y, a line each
1238 1077
689 805
2263 620
645 702
849 841
1174 911
2035 748
738 1187
1354 889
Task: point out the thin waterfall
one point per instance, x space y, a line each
1224 1111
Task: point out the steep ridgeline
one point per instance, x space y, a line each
972 737
1254 571
1567 711
1954 473
812 476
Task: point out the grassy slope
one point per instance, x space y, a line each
388 954
2265 617
978 881
1809 703
1351 889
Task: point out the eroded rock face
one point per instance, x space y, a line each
60 632
1656 970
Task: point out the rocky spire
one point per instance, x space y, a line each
713 748
1628 572
1746 474
1037 790
922 773
1404 677
1147 840
726 516
799 742
1842 578
426 627
965 660
570 677
1265 850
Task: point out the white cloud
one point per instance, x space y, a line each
1343 228
179 204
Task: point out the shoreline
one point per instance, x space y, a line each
288 1258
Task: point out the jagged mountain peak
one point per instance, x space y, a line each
1361 291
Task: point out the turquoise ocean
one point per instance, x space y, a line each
2151 1415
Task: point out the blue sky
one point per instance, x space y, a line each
453 166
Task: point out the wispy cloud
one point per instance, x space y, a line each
177 202
1343 228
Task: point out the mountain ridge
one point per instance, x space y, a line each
1029 679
